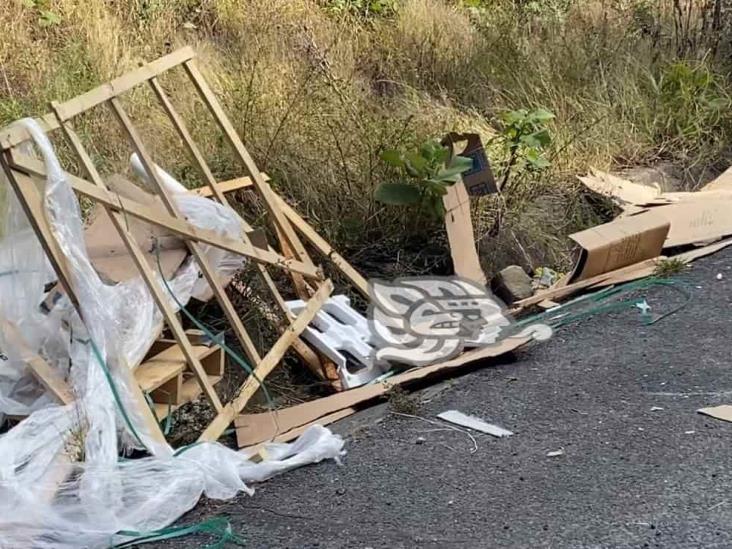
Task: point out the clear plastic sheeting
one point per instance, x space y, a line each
62 482
203 213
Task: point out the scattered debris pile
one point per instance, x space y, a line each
88 375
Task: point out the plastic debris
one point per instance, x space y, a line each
472 422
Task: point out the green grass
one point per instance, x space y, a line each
318 89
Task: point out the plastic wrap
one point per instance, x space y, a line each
62 483
206 214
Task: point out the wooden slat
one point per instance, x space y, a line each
176 226
216 190
47 376
266 193
248 345
152 373
31 201
229 185
156 290
324 247
14 135
114 88
303 227
189 391
270 360
209 274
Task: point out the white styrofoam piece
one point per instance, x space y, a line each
472 422
338 327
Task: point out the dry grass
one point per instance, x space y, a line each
318 92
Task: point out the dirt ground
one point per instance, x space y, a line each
640 467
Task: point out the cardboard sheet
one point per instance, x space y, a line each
625 193
460 234
694 221
618 244
721 183
255 428
723 412
107 250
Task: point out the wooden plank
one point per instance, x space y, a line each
47 376
155 287
190 144
266 193
31 201
209 274
229 185
112 89
152 373
247 344
324 247
270 360
179 227
15 134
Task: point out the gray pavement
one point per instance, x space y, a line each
631 475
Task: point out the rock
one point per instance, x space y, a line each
512 284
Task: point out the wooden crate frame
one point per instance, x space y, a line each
23 172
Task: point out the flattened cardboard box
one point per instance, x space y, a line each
255 428
695 221
620 243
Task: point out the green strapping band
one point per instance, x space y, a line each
216 526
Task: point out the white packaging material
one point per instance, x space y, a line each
101 494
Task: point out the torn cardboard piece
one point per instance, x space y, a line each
620 243
623 192
460 235
723 412
694 221
721 183
256 428
107 250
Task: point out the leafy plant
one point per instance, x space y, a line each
525 138
430 171
46 17
693 106
364 8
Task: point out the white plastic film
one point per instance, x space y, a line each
62 483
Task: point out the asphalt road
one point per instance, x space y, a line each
641 468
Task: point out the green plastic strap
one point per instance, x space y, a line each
216 526
233 354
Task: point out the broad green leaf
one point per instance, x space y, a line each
393 158
416 161
461 162
397 194
542 115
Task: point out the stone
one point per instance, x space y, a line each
512 284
